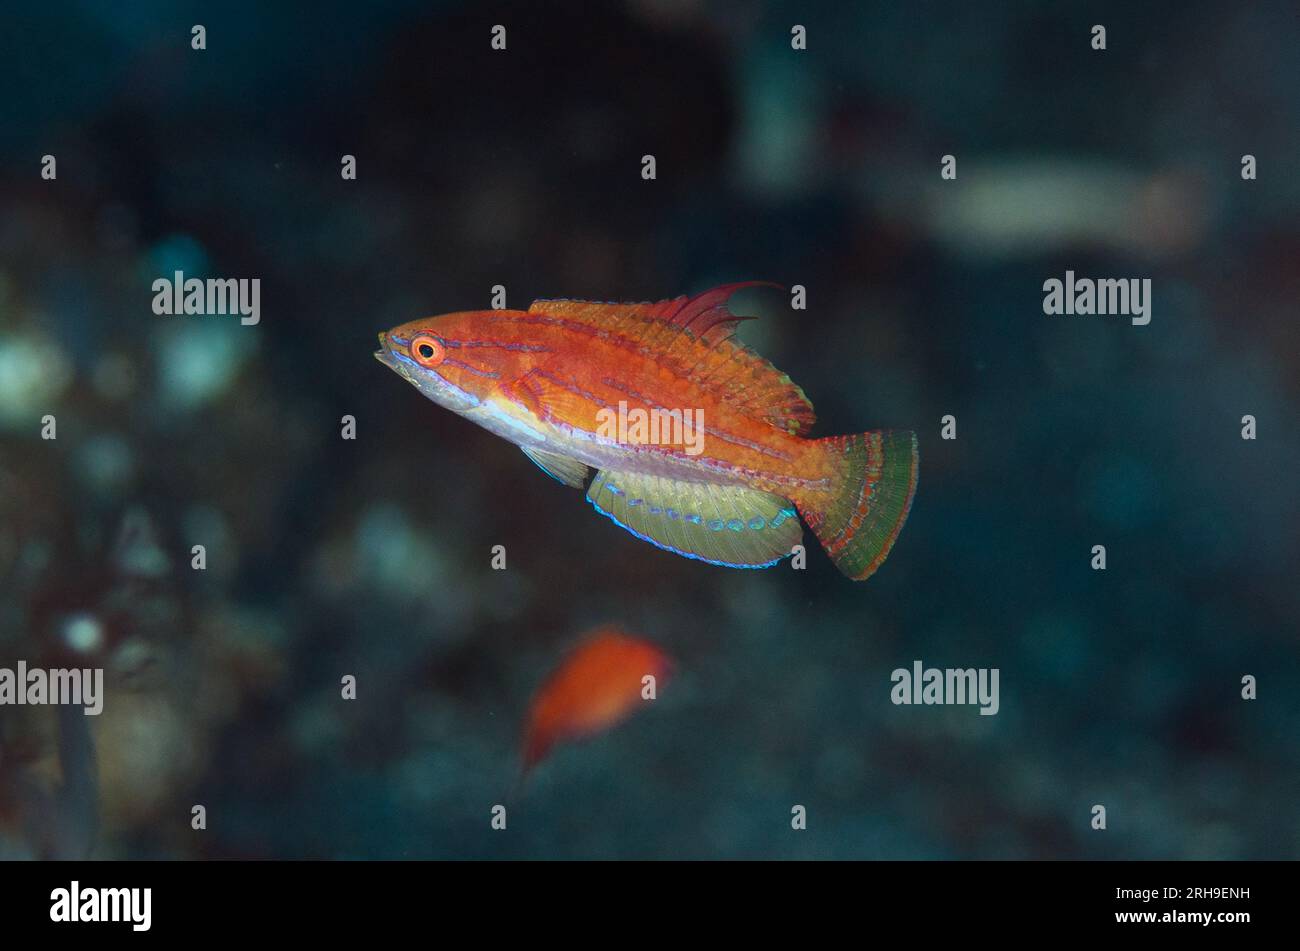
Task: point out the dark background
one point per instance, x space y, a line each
370 557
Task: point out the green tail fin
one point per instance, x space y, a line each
859 522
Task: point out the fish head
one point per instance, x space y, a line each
431 355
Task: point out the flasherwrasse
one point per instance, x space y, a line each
596 686
679 433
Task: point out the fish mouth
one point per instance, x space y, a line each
383 355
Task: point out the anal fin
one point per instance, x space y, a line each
727 525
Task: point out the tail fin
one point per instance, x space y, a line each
859 521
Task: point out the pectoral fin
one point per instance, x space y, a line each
725 525
547 398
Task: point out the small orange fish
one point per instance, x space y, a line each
597 686
680 434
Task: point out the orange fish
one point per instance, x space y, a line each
680 434
597 686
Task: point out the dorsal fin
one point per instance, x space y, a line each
694 335
704 315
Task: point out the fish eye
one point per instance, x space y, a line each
428 350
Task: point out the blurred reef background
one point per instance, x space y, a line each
328 557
